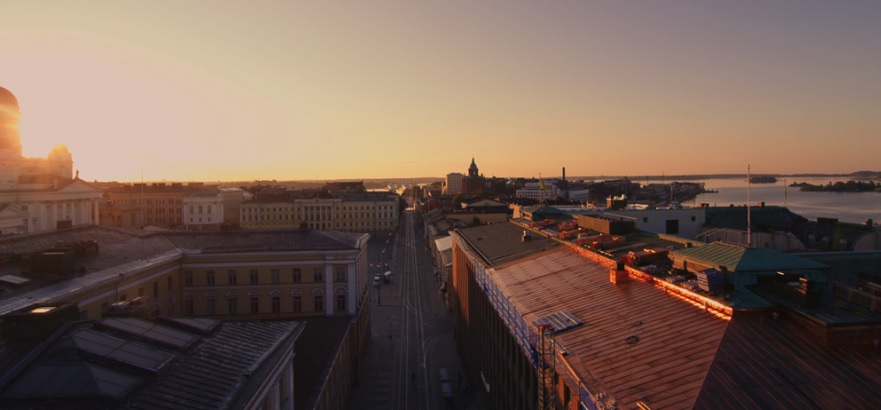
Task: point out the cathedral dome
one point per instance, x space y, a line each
8 102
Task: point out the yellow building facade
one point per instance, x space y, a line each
355 213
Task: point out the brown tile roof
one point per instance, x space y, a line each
637 343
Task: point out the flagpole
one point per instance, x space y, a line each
749 235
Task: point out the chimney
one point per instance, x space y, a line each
618 274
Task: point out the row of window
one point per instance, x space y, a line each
139 201
287 217
206 210
232 276
232 304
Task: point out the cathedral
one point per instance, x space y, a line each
474 183
38 194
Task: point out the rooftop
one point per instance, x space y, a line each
636 343
642 342
104 364
737 258
120 251
499 243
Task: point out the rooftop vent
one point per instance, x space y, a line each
37 321
53 262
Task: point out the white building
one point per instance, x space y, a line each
685 223
533 190
203 209
38 194
454 183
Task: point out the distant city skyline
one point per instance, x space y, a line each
238 91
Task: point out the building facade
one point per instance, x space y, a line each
234 277
454 183
534 190
38 194
351 213
203 209
160 204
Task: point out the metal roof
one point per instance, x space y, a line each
762 365
213 373
636 342
276 240
498 243
737 258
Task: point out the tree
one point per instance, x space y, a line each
402 204
457 201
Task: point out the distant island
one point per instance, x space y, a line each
763 179
849 186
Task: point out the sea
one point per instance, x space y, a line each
854 207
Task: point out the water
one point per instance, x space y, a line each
847 207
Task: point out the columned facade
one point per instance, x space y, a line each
41 193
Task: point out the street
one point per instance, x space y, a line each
412 331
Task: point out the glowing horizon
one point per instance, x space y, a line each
391 90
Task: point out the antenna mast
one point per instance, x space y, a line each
749 235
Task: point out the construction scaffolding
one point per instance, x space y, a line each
546 358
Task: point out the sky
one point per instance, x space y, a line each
304 90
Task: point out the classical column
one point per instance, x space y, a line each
273 398
288 384
95 212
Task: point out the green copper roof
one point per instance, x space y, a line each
737 258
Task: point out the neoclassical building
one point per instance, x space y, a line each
38 194
364 212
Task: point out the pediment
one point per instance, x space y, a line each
9 211
79 186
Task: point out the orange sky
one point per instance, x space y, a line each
230 90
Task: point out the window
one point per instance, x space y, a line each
254 276
188 304
209 278
298 303
319 303
297 276
232 276
255 304
155 290
340 274
232 301
340 303
210 305
276 304
188 278
275 275
318 274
